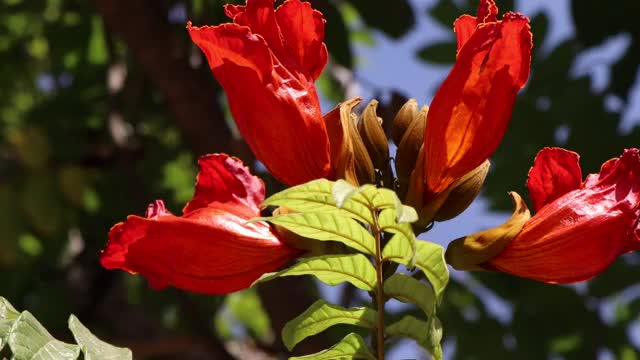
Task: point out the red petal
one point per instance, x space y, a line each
233 10
225 179
277 114
470 112
555 172
259 16
211 250
578 235
302 30
487 11
465 25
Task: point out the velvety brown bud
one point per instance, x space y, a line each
373 136
403 119
463 192
470 252
348 152
408 150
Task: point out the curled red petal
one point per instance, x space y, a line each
225 179
487 11
580 234
555 172
465 25
470 112
211 251
260 17
277 113
232 10
302 31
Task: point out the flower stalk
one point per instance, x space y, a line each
379 292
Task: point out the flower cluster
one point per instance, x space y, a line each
267 61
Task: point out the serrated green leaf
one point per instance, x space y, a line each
350 347
409 290
94 348
402 232
28 339
429 258
427 334
316 196
322 315
333 270
8 314
328 227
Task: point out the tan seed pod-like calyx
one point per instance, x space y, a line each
409 148
348 152
463 192
373 136
403 119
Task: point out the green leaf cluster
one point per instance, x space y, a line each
375 228
27 339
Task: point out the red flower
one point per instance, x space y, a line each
470 112
210 248
580 227
267 62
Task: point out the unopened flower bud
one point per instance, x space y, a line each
373 136
470 252
348 152
403 119
408 149
463 192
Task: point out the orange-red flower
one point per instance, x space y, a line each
470 112
267 62
211 248
581 227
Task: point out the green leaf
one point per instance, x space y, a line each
409 290
247 309
28 339
317 196
350 347
402 232
94 348
342 192
322 315
406 214
333 270
443 53
427 334
7 316
97 51
394 20
328 227
380 198
429 258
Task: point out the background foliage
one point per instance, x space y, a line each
106 105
